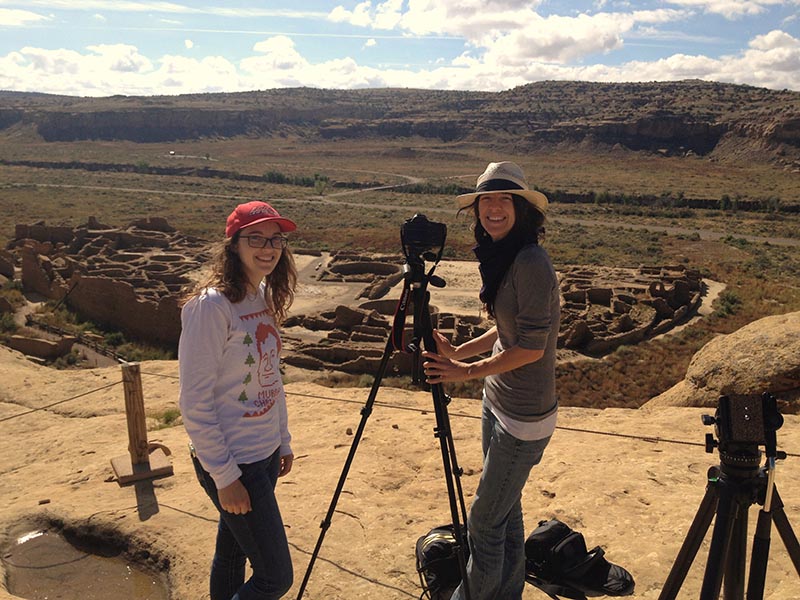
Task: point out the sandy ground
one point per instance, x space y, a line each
630 480
458 296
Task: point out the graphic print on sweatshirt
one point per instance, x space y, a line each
262 388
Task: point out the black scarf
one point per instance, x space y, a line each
495 259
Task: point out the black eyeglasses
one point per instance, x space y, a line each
259 241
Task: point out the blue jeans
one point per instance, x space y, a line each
258 535
496 566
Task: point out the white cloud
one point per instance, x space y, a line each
110 5
771 60
10 17
508 31
506 43
360 15
105 70
158 7
278 54
122 58
388 14
733 9
99 17
180 75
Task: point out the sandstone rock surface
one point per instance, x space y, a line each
763 356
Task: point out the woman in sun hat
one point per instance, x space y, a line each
233 402
520 291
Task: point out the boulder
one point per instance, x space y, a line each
6 264
41 348
763 356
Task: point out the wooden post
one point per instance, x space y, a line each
144 460
134 409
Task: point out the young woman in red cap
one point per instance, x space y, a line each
520 291
233 402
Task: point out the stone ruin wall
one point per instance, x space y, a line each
602 309
127 278
130 278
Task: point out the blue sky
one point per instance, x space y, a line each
148 47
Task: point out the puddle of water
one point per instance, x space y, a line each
43 565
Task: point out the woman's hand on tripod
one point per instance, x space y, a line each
443 345
440 369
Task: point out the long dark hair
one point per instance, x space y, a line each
495 258
227 277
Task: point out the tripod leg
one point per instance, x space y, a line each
445 441
423 325
720 545
758 560
785 530
365 412
454 464
737 555
691 544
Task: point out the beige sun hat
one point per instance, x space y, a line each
504 177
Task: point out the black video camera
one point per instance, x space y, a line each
423 239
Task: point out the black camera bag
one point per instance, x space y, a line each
437 562
558 563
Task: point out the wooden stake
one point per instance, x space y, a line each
145 460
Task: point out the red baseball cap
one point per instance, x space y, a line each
254 212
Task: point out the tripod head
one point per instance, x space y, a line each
422 239
742 424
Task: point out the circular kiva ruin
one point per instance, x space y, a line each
602 309
130 279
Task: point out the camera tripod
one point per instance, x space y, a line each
733 486
414 290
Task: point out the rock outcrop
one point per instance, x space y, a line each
41 348
685 117
763 356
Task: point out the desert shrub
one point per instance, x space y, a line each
138 351
298 180
441 189
7 323
728 303
12 291
167 418
740 243
114 339
319 186
68 360
61 318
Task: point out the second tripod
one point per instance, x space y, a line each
422 239
742 424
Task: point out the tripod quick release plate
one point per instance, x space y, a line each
740 419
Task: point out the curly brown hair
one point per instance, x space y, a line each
227 277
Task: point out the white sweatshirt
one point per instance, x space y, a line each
231 393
